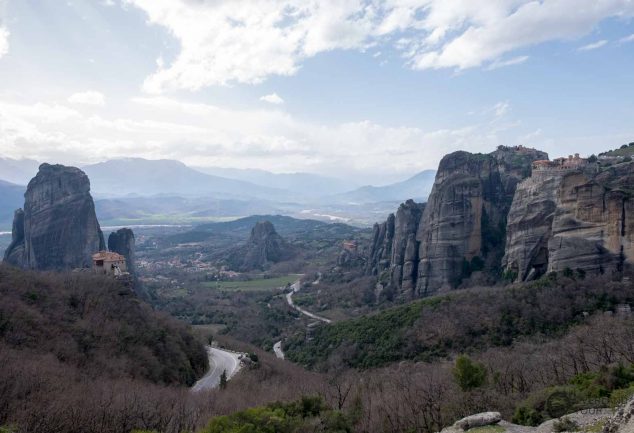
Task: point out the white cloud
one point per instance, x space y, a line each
4 41
627 39
273 98
242 41
203 134
501 109
497 64
89 97
593 46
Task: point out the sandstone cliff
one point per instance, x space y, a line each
394 247
460 232
263 248
58 228
122 242
579 220
463 227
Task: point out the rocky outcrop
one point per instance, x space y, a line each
478 420
463 227
15 251
623 419
579 220
122 242
58 228
263 248
459 232
394 248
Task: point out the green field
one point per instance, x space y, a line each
261 284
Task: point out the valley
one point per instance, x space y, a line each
283 216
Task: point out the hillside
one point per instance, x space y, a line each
623 151
416 187
94 323
18 171
288 227
120 177
303 183
429 329
11 198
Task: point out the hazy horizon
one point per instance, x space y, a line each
367 90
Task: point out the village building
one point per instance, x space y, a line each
109 263
573 162
350 246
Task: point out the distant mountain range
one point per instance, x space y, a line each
18 171
11 198
136 190
120 177
302 183
416 187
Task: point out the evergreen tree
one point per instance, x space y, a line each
223 379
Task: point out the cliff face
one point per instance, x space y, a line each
579 220
264 247
394 247
58 228
122 242
462 229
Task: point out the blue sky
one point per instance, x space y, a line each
373 89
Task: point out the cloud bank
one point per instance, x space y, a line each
203 134
241 41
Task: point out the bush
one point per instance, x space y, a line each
621 396
525 415
565 424
468 374
302 415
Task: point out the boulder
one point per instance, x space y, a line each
478 420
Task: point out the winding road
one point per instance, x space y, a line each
219 361
289 298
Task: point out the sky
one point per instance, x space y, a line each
368 89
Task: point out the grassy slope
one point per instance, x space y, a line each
262 284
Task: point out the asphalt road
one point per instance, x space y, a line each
289 298
219 361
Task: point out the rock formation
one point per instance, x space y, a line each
15 251
463 227
122 242
579 220
510 211
459 231
58 228
394 247
263 248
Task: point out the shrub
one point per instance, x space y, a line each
468 374
621 396
302 415
525 415
565 424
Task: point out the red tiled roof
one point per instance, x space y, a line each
108 256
